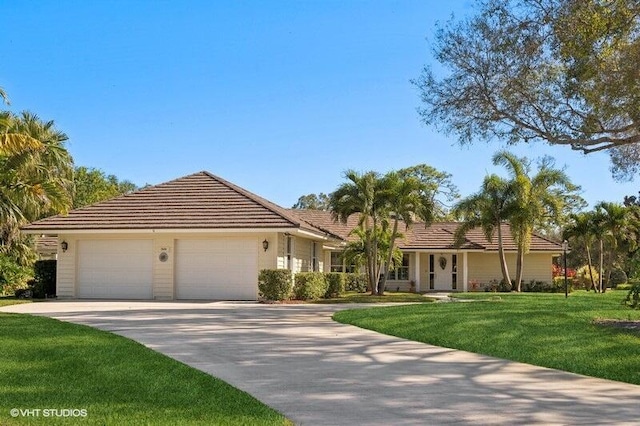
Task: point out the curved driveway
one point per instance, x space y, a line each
318 372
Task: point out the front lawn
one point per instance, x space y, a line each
48 364
11 300
539 329
389 297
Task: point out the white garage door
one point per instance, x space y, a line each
224 269
115 269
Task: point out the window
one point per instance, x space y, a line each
432 272
400 273
338 265
314 256
454 271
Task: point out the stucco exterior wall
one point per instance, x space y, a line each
484 267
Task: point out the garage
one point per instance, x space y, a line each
222 269
115 269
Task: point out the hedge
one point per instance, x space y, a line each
335 284
275 284
309 285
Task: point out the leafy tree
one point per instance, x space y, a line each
93 185
487 209
561 71
537 200
312 202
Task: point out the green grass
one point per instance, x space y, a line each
389 297
539 329
48 364
11 300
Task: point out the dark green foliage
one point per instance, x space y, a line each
12 275
309 285
335 284
44 272
557 286
356 282
275 284
618 276
633 297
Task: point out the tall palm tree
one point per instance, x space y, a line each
12 142
487 209
582 228
363 194
536 199
408 198
611 222
34 182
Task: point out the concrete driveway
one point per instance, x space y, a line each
318 372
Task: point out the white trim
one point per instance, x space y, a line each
157 231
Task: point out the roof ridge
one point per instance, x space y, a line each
256 198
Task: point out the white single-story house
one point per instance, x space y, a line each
202 237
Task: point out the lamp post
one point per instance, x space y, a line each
565 246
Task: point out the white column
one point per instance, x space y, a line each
465 271
417 272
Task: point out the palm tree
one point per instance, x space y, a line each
611 222
582 227
363 195
12 142
536 199
487 209
33 182
408 198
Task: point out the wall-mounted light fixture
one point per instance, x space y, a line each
64 246
265 245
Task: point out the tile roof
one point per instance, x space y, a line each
197 201
438 235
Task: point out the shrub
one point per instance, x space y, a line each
582 279
633 297
44 272
274 284
504 286
557 286
625 286
309 285
356 282
12 275
335 284
618 276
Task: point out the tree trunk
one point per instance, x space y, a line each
519 263
374 260
601 263
593 282
385 272
503 260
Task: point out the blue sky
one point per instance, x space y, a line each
279 97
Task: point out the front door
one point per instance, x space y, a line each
442 272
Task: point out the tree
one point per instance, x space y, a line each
312 202
560 71
92 186
536 200
487 209
611 225
582 228
35 181
414 193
